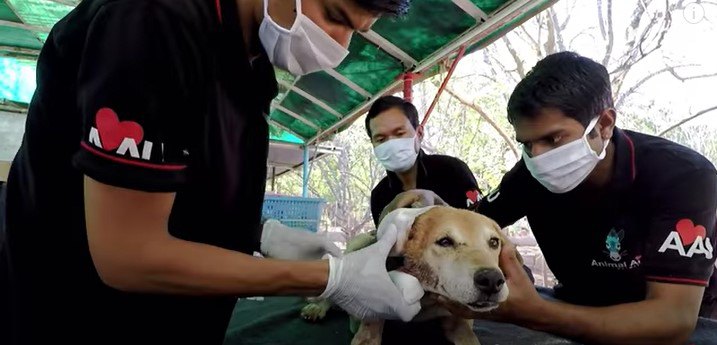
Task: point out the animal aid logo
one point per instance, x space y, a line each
613 250
688 240
472 197
122 137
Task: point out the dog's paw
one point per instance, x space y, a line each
314 311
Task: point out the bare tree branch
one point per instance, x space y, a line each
610 35
683 121
520 67
564 24
557 29
485 116
622 97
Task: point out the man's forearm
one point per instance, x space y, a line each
176 266
645 322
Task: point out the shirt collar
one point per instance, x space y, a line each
624 171
421 173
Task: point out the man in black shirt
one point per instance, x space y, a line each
626 221
392 125
134 202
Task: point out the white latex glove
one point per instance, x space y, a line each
279 241
402 219
360 284
415 198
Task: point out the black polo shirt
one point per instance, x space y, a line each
150 95
447 176
655 221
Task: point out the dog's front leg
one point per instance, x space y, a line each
369 333
459 331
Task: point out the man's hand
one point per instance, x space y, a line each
523 301
415 198
360 285
279 241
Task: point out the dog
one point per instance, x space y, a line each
453 253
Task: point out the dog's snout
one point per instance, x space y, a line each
489 280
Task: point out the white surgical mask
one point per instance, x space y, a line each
562 169
303 49
397 155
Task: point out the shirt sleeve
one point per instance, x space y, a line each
133 98
469 195
681 239
376 207
506 204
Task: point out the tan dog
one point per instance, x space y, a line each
453 253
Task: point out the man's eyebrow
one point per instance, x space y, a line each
549 135
344 17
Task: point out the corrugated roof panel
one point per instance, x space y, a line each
429 25
489 6
278 134
20 38
295 125
7 14
39 12
368 66
331 91
308 110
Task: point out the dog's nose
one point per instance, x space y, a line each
489 280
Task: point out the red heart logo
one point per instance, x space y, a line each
689 231
112 131
472 195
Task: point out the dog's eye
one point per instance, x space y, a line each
494 243
446 242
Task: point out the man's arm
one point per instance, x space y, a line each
133 251
667 316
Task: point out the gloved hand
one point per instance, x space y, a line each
402 219
279 241
360 285
415 198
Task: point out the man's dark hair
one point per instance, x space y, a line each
390 7
388 102
576 85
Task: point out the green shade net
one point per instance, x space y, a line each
331 91
368 66
430 25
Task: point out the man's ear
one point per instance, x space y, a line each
607 123
419 132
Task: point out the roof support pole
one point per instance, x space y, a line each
305 191
461 51
408 86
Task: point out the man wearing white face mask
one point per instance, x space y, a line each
393 127
626 221
134 202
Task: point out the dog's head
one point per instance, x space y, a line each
454 253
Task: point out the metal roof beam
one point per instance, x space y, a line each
474 11
33 28
8 50
338 76
296 116
65 2
313 99
390 48
287 129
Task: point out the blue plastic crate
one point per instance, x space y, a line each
294 211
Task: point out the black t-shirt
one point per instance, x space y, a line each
449 177
655 221
150 95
